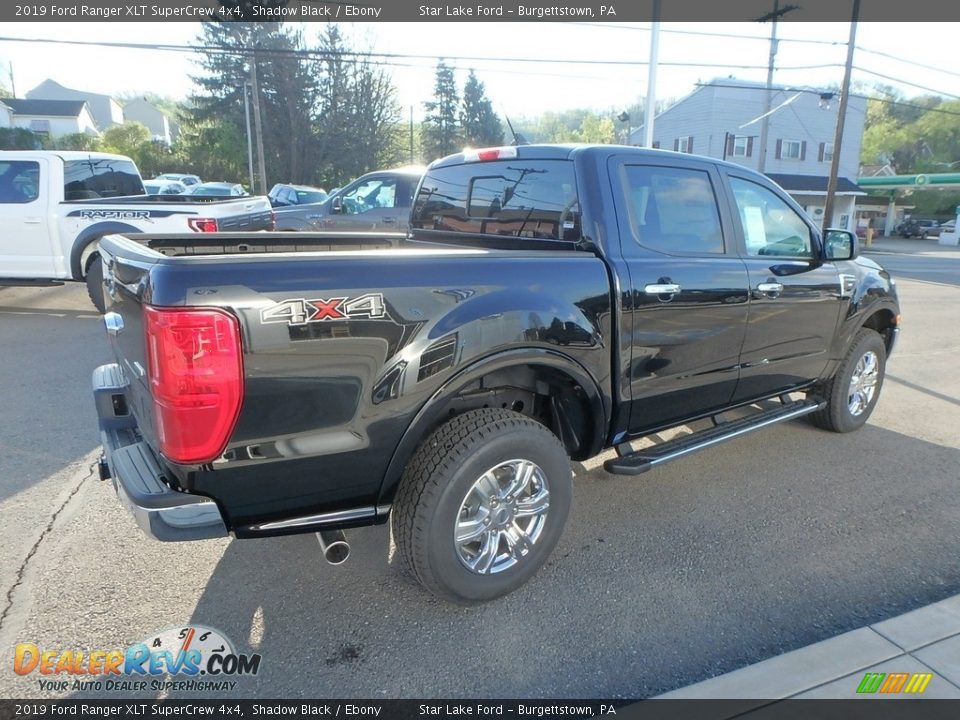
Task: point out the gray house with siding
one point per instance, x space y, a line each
721 119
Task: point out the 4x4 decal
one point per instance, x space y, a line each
300 311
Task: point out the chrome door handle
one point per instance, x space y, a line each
388 220
32 221
662 289
770 288
314 217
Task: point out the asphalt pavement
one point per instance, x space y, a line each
777 540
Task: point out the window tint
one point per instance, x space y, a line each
306 197
19 181
673 209
370 195
517 197
770 226
100 178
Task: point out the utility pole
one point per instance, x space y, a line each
841 117
651 105
13 85
768 99
258 123
246 108
411 134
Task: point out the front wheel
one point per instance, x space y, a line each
481 505
852 393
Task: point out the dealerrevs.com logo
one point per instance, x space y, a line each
184 658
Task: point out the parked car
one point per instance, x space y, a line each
164 187
949 226
919 228
549 302
218 189
281 195
379 200
187 180
56 205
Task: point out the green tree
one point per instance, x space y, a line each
213 150
596 129
359 126
75 141
125 139
288 94
15 138
481 126
441 127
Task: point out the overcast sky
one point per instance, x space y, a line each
519 88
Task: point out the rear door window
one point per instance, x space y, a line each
517 197
94 177
673 210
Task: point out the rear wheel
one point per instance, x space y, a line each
852 393
481 505
95 284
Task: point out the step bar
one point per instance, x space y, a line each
635 463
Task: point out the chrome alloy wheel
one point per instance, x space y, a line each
502 516
863 383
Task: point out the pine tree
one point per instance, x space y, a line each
481 126
287 81
441 132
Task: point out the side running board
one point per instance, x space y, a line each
640 461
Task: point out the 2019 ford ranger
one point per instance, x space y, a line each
549 302
56 205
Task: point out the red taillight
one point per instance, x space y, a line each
195 367
202 224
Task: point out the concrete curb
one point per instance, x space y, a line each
923 641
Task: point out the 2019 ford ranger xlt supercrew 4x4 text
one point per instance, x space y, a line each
548 302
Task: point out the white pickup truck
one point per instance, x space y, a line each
56 205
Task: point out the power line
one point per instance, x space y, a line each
909 62
322 54
814 91
906 82
703 33
745 36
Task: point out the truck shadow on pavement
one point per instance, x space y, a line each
695 569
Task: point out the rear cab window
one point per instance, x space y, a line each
518 197
95 177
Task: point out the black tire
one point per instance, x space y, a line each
95 284
837 414
435 488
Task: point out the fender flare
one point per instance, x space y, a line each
426 417
90 235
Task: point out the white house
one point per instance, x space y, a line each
155 120
721 119
52 118
105 110
6 115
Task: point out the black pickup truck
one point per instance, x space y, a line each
548 302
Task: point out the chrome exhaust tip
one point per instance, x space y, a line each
334 545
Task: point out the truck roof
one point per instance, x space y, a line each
68 154
566 151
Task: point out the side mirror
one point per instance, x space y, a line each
840 245
337 205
